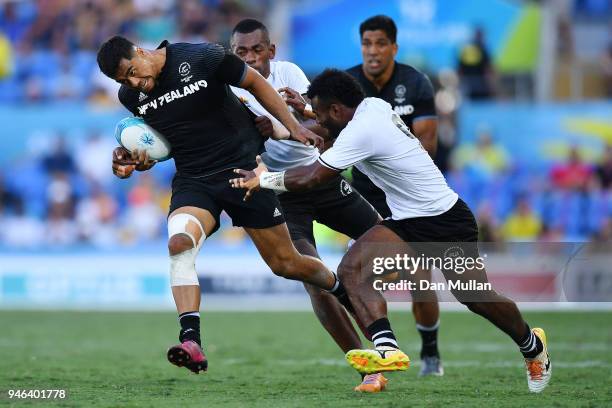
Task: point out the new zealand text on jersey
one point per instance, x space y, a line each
172 95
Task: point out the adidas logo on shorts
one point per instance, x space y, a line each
277 213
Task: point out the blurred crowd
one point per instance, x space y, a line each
64 194
48 47
570 200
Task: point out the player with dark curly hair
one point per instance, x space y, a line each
426 215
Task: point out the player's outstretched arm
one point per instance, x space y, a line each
296 179
273 103
307 177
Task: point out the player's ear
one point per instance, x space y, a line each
335 111
395 48
272 51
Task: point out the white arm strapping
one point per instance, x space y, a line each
273 180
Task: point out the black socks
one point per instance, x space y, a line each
429 337
339 292
382 335
190 327
530 345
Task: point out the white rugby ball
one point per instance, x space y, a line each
134 134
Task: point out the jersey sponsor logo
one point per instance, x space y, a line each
403 109
400 93
172 96
184 70
277 212
345 188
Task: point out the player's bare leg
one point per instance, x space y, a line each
278 251
334 318
188 227
329 311
505 315
369 304
426 313
275 247
498 309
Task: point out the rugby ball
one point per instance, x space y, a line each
134 134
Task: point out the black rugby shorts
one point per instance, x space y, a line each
215 194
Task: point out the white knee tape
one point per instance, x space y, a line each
177 224
182 266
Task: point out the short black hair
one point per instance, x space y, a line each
333 84
248 25
380 22
111 53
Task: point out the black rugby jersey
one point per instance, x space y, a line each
411 95
208 128
409 91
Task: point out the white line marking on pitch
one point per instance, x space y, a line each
447 363
495 347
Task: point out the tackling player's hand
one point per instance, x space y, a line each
123 165
264 126
249 178
307 137
142 160
293 99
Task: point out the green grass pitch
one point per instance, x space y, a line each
285 359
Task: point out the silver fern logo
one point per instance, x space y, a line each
184 70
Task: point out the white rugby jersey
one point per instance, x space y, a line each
281 154
380 145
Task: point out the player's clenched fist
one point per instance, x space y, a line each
124 162
142 160
123 165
